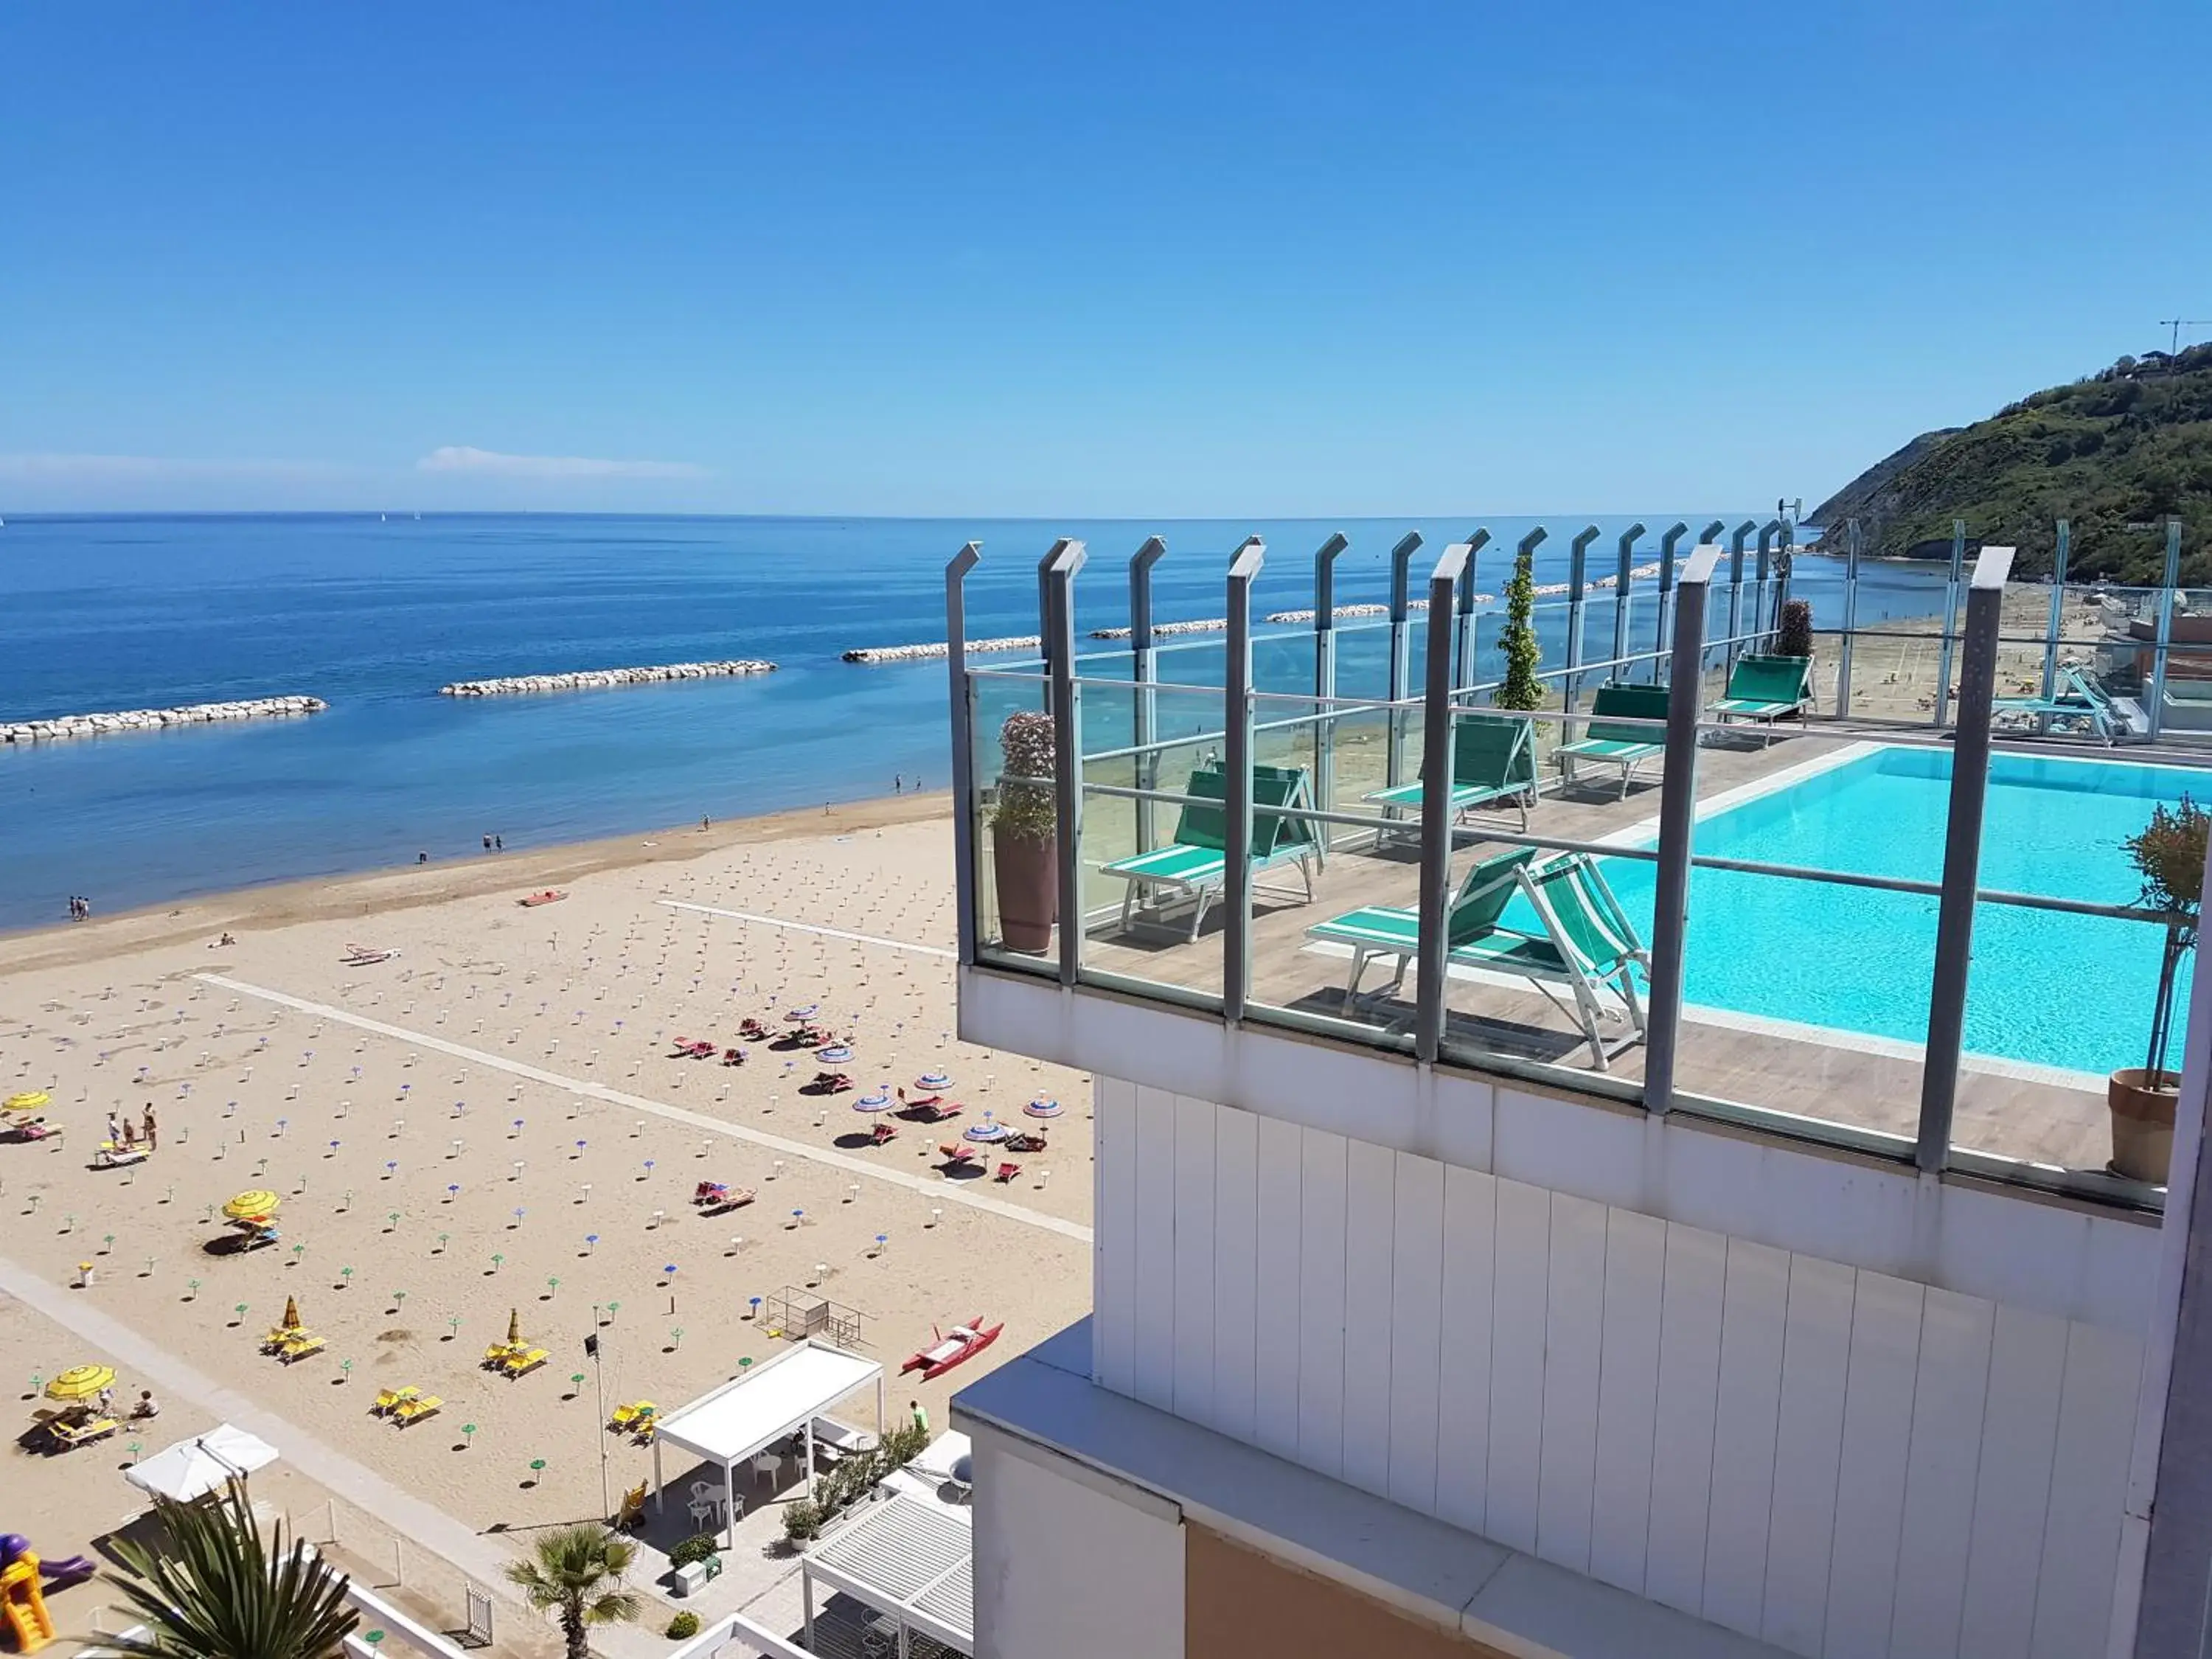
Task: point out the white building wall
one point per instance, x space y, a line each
1068 1569
1828 1457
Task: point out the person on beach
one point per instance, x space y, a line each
421 858
114 1130
146 1405
487 843
921 1417
898 783
498 844
149 1130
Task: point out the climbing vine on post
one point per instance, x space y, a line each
1516 641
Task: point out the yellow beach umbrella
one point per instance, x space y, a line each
291 1313
29 1101
252 1207
81 1383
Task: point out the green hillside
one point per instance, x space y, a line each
2117 454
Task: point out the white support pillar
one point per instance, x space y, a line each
659 1502
729 1506
809 1456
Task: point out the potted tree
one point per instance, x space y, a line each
2168 853
1793 633
1520 689
1025 834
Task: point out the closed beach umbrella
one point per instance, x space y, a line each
514 1327
291 1314
81 1383
252 1207
28 1101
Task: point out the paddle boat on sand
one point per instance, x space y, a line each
953 1347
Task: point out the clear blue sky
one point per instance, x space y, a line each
962 258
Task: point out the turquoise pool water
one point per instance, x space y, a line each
2048 987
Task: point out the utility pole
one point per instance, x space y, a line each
2176 323
599 1386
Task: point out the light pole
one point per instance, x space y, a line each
599 1392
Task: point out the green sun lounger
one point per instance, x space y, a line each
1195 863
1493 761
1766 688
2082 700
1587 944
1608 742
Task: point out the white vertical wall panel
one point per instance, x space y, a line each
1417 1267
1152 1369
1516 1363
1114 1328
1870 1484
1236 1272
1839 1463
2012 1488
1279 1150
1320 1283
1372 1192
1196 1248
1755 1314
1946 1455
1689 1378
1808 1439
1628 1396
1574 1327
1464 1342
2089 1485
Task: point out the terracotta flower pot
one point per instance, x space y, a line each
2143 1122
1029 890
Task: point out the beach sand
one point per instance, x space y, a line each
490 1121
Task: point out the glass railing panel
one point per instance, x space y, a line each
1015 823
1805 994
1153 832
2067 989
1896 669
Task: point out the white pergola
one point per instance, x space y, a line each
914 1562
192 1468
768 1403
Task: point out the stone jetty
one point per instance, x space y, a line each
939 649
594 679
1202 625
157 720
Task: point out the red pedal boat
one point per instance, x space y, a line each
953 1347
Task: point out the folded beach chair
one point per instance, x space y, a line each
1493 763
1587 944
1195 862
1610 743
2079 700
1765 689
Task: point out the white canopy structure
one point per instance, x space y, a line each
914 1562
193 1468
768 1403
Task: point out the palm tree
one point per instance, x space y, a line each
218 1591
577 1578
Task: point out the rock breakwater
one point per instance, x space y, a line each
939 649
594 679
157 720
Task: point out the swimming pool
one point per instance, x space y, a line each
2048 988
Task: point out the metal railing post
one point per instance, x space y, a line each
1236 722
1578 572
1710 535
1950 620
1784 558
1436 810
1044 617
1762 623
964 744
1325 670
1401 639
1661 620
1853 544
1060 565
1463 663
2057 625
1623 579
1743 533
1678 817
1962 858
2169 595
1144 674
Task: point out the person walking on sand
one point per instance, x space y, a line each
499 843
150 1130
921 1417
114 1130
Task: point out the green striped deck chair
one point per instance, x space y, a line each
1194 864
1586 945
1493 761
1608 742
1765 689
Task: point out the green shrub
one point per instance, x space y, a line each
697 1547
803 1518
683 1627
1794 637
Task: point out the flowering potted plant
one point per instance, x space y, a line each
2169 855
1025 834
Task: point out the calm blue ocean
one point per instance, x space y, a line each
374 615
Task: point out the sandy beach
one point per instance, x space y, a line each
491 1122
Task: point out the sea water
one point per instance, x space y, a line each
374 612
